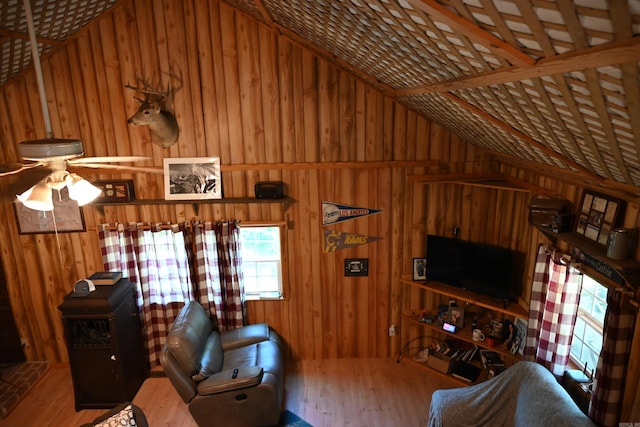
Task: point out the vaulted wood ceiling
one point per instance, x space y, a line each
551 85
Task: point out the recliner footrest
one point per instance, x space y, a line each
224 380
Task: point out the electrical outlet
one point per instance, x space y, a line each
24 342
392 330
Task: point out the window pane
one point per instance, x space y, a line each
587 339
261 260
599 310
586 301
579 330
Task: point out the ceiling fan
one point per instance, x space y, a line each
46 160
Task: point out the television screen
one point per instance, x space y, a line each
478 267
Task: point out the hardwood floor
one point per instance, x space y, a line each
338 392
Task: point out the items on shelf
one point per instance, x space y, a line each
105 277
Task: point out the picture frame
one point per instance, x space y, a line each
66 217
192 178
455 316
519 336
115 191
419 269
598 215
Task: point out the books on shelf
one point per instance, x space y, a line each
490 358
465 371
105 277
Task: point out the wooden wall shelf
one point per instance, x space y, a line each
410 318
285 201
511 309
629 269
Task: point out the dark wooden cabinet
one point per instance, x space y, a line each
104 340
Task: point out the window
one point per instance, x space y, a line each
587 338
261 248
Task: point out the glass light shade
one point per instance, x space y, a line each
38 197
81 190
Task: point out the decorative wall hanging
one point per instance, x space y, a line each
115 191
192 178
66 216
334 240
598 214
334 212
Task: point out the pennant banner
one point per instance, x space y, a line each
333 213
334 240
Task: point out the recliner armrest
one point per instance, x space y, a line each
222 381
245 335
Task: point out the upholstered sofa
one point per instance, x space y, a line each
230 379
526 394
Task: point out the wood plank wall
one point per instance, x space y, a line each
253 97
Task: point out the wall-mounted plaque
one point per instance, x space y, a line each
598 215
115 191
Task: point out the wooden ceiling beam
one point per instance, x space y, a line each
11 34
473 32
264 12
516 133
624 191
614 53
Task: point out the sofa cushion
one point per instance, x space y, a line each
266 355
231 379
188 336
212 357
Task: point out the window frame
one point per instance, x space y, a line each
284 260
590 321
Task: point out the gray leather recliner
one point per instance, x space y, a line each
230 379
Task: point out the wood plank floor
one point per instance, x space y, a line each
339 392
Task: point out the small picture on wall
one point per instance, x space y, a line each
419 269
599 214
192 178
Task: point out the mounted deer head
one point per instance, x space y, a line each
153 112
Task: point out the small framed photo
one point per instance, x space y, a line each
519 336
455 316
419 269
66 216
598 215
192 178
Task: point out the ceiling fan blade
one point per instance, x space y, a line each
107 159
117 167
13 168
16 184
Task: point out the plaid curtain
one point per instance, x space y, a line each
608 386
160 261
155 260
219 277
555 296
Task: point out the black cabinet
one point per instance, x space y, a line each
104 340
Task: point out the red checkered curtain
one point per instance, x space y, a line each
155 258
219 277
608 385
555 296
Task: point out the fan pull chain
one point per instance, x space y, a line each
55 229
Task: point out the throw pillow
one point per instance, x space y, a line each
122 418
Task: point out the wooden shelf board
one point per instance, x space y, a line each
464 334
423 365
203 201
512 309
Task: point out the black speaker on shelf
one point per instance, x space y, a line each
269 190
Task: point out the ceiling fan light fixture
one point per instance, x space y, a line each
81 190
38 197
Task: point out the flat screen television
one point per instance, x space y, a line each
486 269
